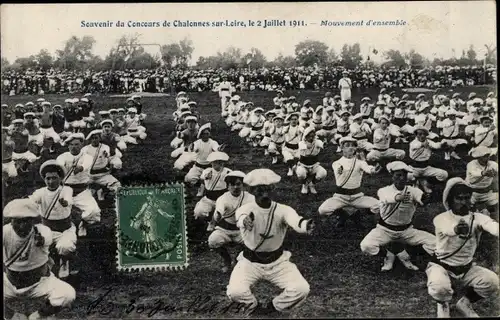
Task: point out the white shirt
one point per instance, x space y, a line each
227 204
419 152
293 134
203 149
345 84
272 225
43 197
217 180
352 172
474 177
307 149
484 136
398 213
66 160
102 159
447 241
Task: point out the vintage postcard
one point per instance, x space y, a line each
250 160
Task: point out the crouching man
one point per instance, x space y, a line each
263 224
458 231
26 262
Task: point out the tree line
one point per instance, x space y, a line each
130 53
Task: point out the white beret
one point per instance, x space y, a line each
450 112
107 121
398 165
449 185
278 117
336 96
29 104
112 110
330 108
259 177
307 131
84 100
386 118
57 106
381 103
15 121
420 128
206 126
421 95
270 113
291 115
477 101
87 95
132 110
347 139
307 101
235 98
93 133
357 116
135 96
103 112
479 152
27 114
472 95
192 103
344 112
456 94
68 101
191 118
46 103
21 208
6 105
293 98
120 110
180 93
74 136
383 90
217 156
19 105
319 108
258 109
365 99
52 162
40 100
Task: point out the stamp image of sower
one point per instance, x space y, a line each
151 228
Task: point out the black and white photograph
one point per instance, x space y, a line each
260 160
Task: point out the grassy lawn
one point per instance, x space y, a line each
344 283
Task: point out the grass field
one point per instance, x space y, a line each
344 283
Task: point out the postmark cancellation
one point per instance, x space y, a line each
151 228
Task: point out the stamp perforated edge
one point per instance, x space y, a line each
152 267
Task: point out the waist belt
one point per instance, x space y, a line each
46 127
262 257
57 225
328 127
24 279
482 190
420 164
458 270
97 171
243 123
366 116
360 138
132 130
257 128
78 188
292 146
348 192
214 194
308 160
226 225
6 160
381 149
343 134
279 143
202 166
393 227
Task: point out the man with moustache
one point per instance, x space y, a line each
263 224
458 231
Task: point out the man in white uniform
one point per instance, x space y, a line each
458 231
263 224
27 272
345 85
224 219
397 206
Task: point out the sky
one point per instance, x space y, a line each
432 28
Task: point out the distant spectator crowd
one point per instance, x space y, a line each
269 79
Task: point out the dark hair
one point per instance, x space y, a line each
458 189
232 180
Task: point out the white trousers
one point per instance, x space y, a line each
220 237
376 155
58 292
281 273
91 212
381 236
316 170
339 201
65 241
204 207
428 172
482 280
105 180
9 169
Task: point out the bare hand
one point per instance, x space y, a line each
63 202
78 169
340 170
406 197
208 176
311 225
39 239
248 221
462 228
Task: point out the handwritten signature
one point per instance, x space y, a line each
104 305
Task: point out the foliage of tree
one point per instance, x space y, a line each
311 52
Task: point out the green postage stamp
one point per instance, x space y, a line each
151 228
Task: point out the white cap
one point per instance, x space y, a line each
191 103
74 136
318 109
307 131
477 101
450 112
27 114
235 98
103 112
259 177
84 100
68 101
456 94
93 133
17 121
347 139
19 105
278 117
87 95
344 112
136 96
236 174
112 110
330 108
398 165
386 118
46 103
191 118
258 109
52 163
449 185
217 156
365 99
107 121
421 128
180 93
21 208
472 95
206 126
380 103
421 95
357 116
29 104
490 94
75 100
479 152
40 100
290 115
